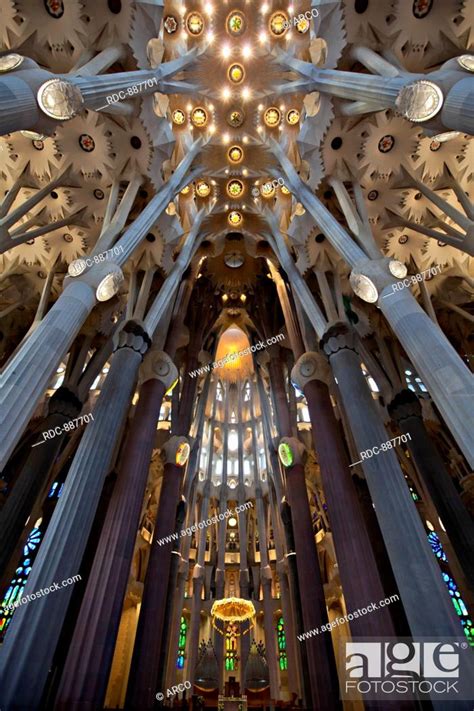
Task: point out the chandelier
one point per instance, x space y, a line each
233 609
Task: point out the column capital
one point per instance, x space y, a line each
310 366
266 574
338 337
176 451
132 335
404 405
157 365
65 401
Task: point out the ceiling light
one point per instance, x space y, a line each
292 117
246 93
272 117
235 118
278 23
225 138
235 154
232 522
264 9
226 93
226 51
246 51
236 73
235 218
194 24
199 117
208 8
245 139
178 117
224 297
262 37
203 188
235 188
236 23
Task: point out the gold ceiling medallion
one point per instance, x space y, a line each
59 99
235 154
236 73
293 117
235 23
186 190
203 188
10 62
194 24
278 24
199 117
235 188
178 117
272 117
235 218
235 118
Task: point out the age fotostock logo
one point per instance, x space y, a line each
407 669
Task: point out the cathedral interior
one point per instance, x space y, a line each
236 300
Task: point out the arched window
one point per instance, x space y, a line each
183 630
219 392
281 638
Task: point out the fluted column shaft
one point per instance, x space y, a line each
27 376
322 667
85 676
413 563
356 561
31 641
143 672
459 526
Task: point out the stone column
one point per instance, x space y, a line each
353 547
412 560
406 411
321 663
448 379
144 668
86 672
27 374
35 629
62 407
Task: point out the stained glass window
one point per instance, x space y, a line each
183 630
231 647
19 580
281 638
458 602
